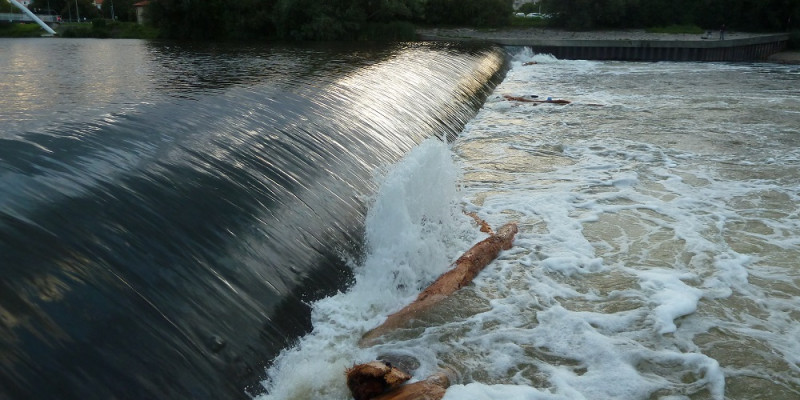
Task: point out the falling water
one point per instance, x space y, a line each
168 211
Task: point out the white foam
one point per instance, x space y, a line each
479 391
413 231
671 296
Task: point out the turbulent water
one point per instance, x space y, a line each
168 211
658 251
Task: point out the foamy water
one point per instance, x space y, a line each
657 253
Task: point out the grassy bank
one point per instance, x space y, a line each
103 29
16 30
96 29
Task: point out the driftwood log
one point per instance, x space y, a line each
527 100
378 380
485 228
366 381
432 388
464 271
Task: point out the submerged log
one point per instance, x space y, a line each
464 271
527 100
485 228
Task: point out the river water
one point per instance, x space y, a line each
658 249
188 221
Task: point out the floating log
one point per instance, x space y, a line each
464 271
527 100
379 380
366 381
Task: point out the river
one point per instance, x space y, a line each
221 221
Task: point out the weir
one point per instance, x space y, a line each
749 48
170 250
746 49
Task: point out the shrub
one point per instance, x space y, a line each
390 31
20 30
528 8
794 40
475 13
525 22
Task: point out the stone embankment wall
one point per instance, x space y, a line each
734 50
624 45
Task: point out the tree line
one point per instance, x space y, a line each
742 15
393 19
319 19
396 19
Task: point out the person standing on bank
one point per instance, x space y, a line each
722 32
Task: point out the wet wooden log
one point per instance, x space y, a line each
379 380
485 228
464 271
367 381
527 100
432 388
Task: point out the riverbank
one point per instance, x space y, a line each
99 29
633 44
16 30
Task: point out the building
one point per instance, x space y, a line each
141 8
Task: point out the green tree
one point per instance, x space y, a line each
528 8
475 13
308 20
747 15
41 6
249 19
7 7
67 8
339 19
188 19
318 19
121 10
